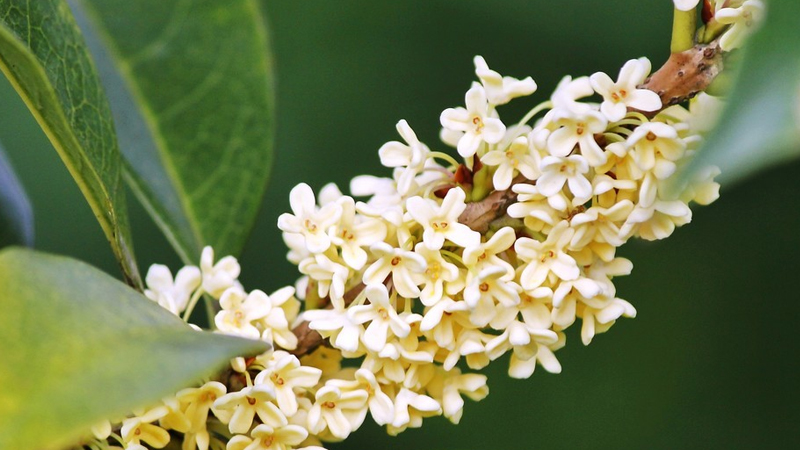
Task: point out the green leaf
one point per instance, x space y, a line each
79 346
16 215
760 126
191 89
43 55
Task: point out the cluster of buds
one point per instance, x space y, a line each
445 266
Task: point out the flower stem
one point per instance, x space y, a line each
210 313
445 157
684 25
536 110
192 304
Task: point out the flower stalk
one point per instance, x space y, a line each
684 26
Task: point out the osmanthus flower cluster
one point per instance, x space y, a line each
419 279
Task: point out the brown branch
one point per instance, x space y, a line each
683 76
479 215
308 339
686 74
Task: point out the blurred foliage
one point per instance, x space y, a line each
191 90
760 126
710 360
42 54
16 214
84 361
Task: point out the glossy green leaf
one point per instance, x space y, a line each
43 55
760 126
16 215
79 346
191 89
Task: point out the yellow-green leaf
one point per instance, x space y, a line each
79 346
191 89
43 55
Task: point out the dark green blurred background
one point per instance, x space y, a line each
710 362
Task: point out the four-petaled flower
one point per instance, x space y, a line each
309 220
217 278
440 222
382 317
329 410
623 94
476 122
519 157
499 89
172 295
411 156
239 310
284 376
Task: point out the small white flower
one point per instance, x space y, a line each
308 220
197 402
620 95
382 317
410 407
411 156
402 264
484 255
578 130
329 410
657 221
437 272
329 193
600 224
546 257
172 295
385 202
599 318
499 89
526 344
240 311
141 428
354 232
475 121
469 342
220 276
656 147
484 289
702 188
603 271
567 93
571 170
444 318
336 325
283 376
246 404
440 222
265 437
567 297
283 309
449 386
539 211
742 21
330 275
379 404
518 157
